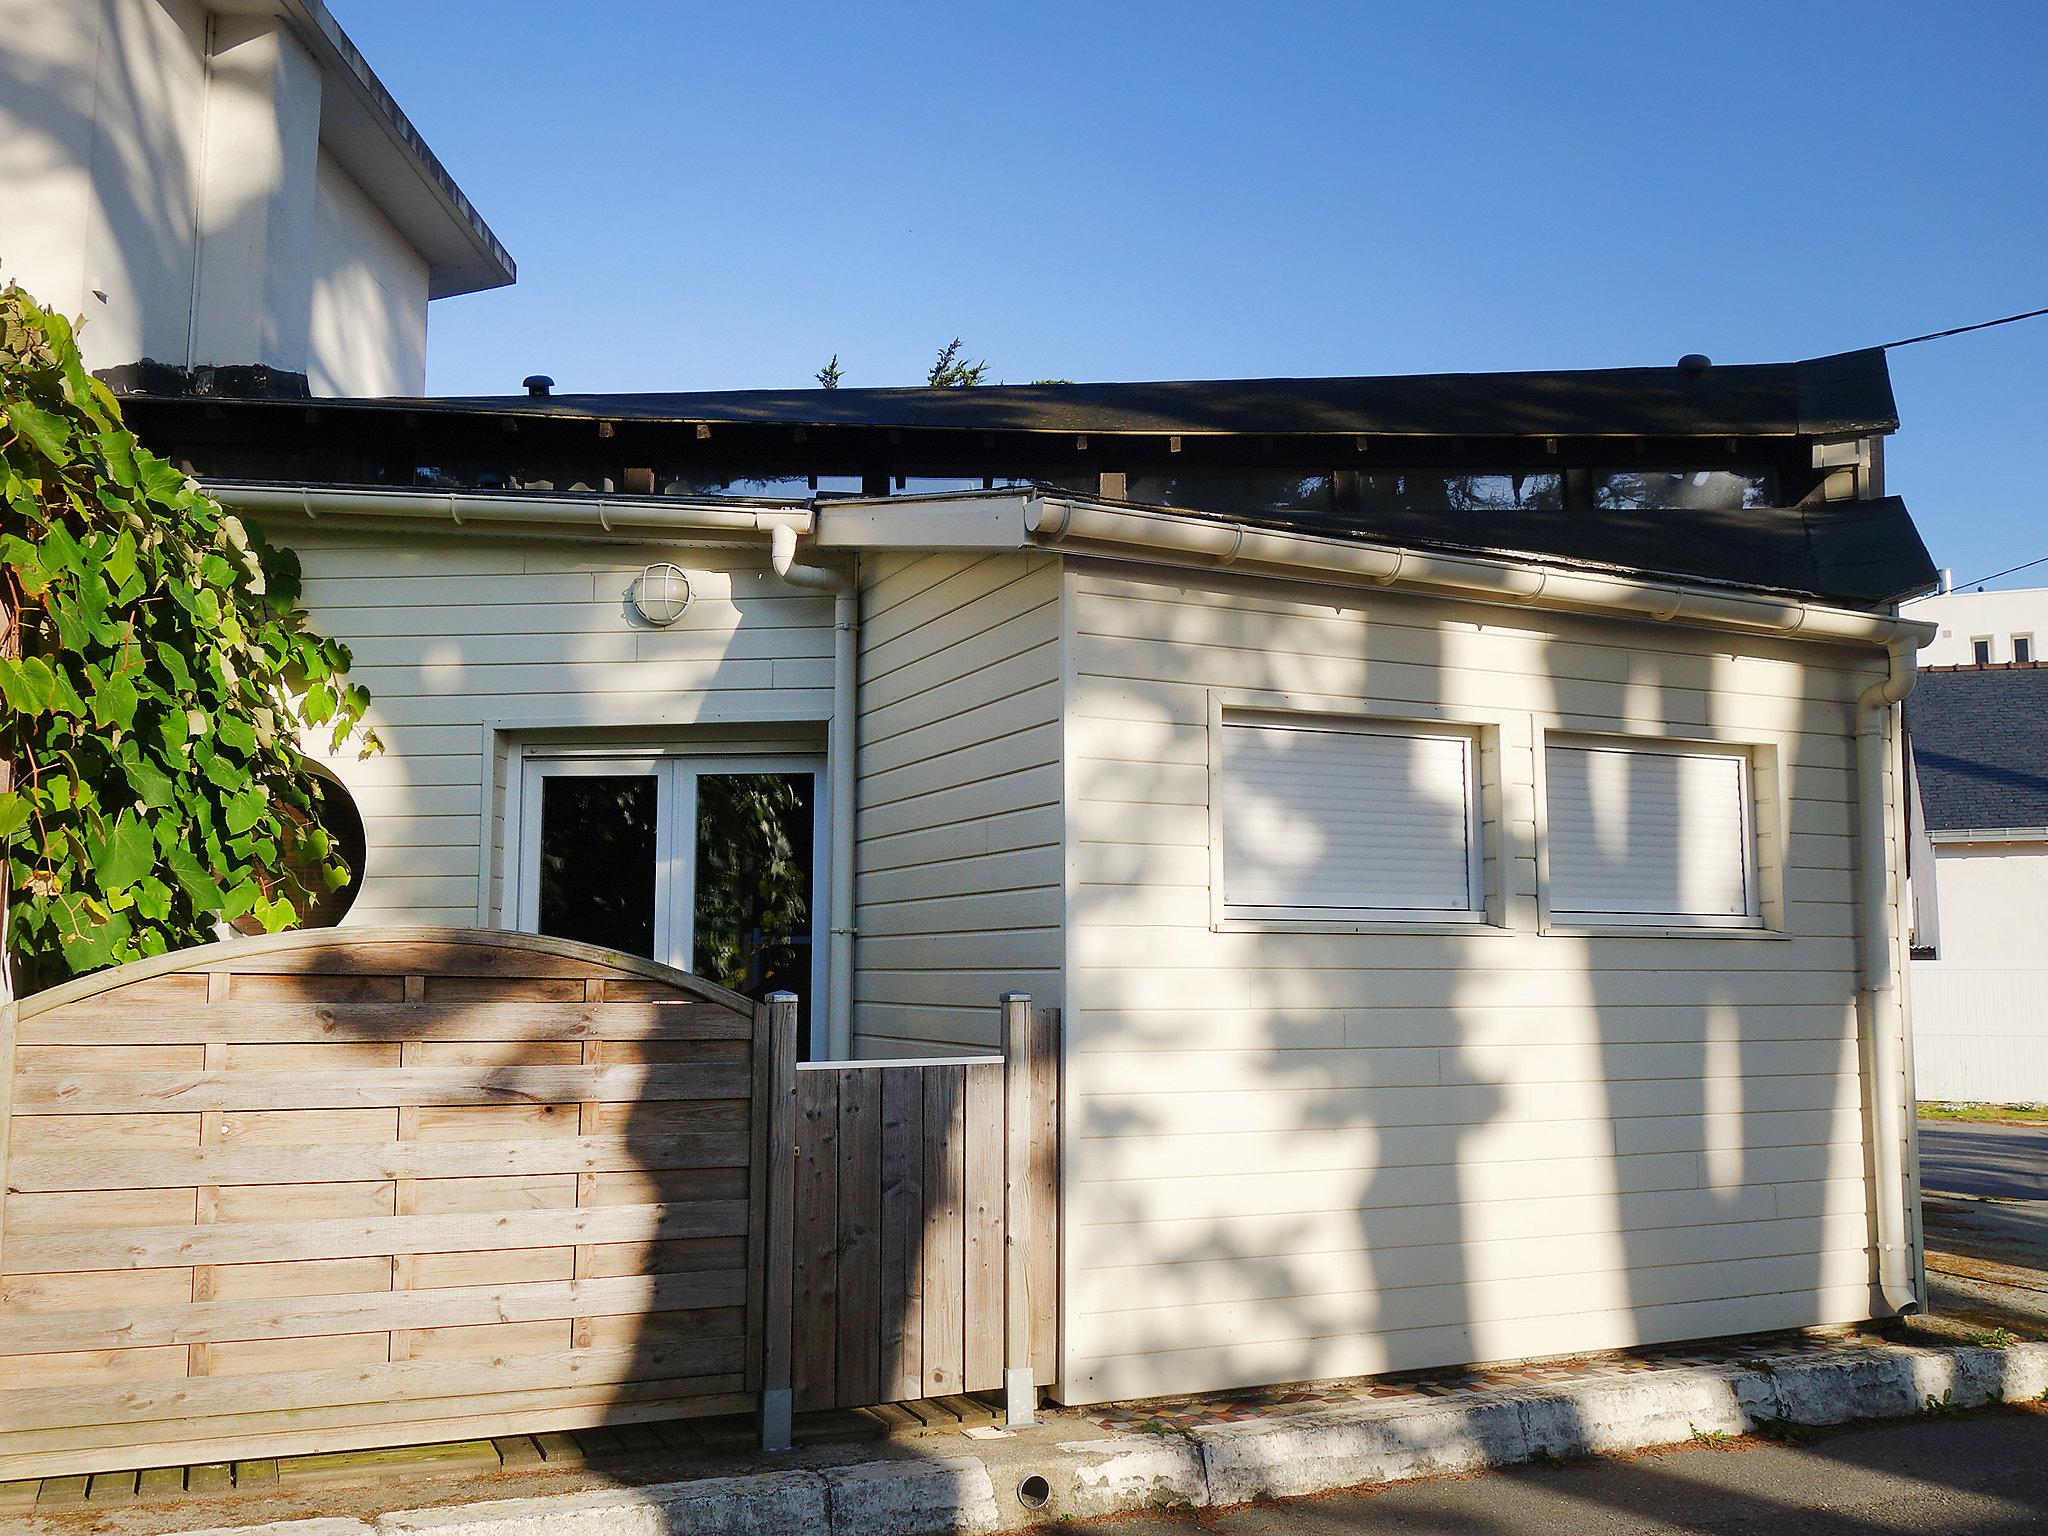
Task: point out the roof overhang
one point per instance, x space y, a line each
376 143
1018 519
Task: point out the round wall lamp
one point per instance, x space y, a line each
661 595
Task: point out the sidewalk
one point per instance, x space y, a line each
1197 1454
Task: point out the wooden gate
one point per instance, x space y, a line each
920 1199
370 1187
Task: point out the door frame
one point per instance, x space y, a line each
675 769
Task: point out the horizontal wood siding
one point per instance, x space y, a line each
290 1195
452 634
1298 1154
958 884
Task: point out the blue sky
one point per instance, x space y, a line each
705 196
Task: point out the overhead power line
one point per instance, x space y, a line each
1957 330
2025 565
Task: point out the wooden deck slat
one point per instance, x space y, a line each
116 1092
814 1356
901 1259
115 1021
214 1322
1044 1258
945 1109
93 1169
25 1407
981 1302
272 1242
858 1371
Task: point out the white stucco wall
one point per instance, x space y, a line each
164 177
102 104
368 332
1996 616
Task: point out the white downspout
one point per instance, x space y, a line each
1882 1008
839 770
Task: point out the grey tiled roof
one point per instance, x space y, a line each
1980 745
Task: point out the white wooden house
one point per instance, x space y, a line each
1457 816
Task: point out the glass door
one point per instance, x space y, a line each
710 865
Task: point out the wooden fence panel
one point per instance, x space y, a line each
360 1187
908 1181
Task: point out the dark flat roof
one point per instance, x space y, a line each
1846 395
1861 553
1980 746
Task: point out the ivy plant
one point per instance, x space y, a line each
156 675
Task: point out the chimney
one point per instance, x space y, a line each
538 385
1948 581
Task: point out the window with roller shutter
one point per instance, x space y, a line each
1326 818
1650 834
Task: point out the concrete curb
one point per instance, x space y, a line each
1283 1456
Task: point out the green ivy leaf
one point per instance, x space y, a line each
158 689
28 685
245 808
127 854
113 702
46 430
200 888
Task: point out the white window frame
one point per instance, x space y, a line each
1752 921
676 771
1229 917
1990 645
2019 640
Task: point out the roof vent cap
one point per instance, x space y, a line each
538 385
1693 364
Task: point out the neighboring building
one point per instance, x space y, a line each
226 196
1980 991
1458 816
1984 628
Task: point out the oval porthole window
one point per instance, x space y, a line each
335 810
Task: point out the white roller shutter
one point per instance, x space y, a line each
1323 818
1643 833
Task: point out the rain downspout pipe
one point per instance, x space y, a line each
1877 933
845 595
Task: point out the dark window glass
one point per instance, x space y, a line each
1436 490
597 860
754 872
933 485
1232 490
722 483
1705 490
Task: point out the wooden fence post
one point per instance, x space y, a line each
1020 1392
779 1246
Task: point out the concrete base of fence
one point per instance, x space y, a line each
1033 1477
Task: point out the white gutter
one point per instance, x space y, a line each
1475 578
637 515
839 746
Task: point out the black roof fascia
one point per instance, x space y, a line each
1847 395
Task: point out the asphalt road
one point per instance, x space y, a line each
1960 1477
2009 1162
